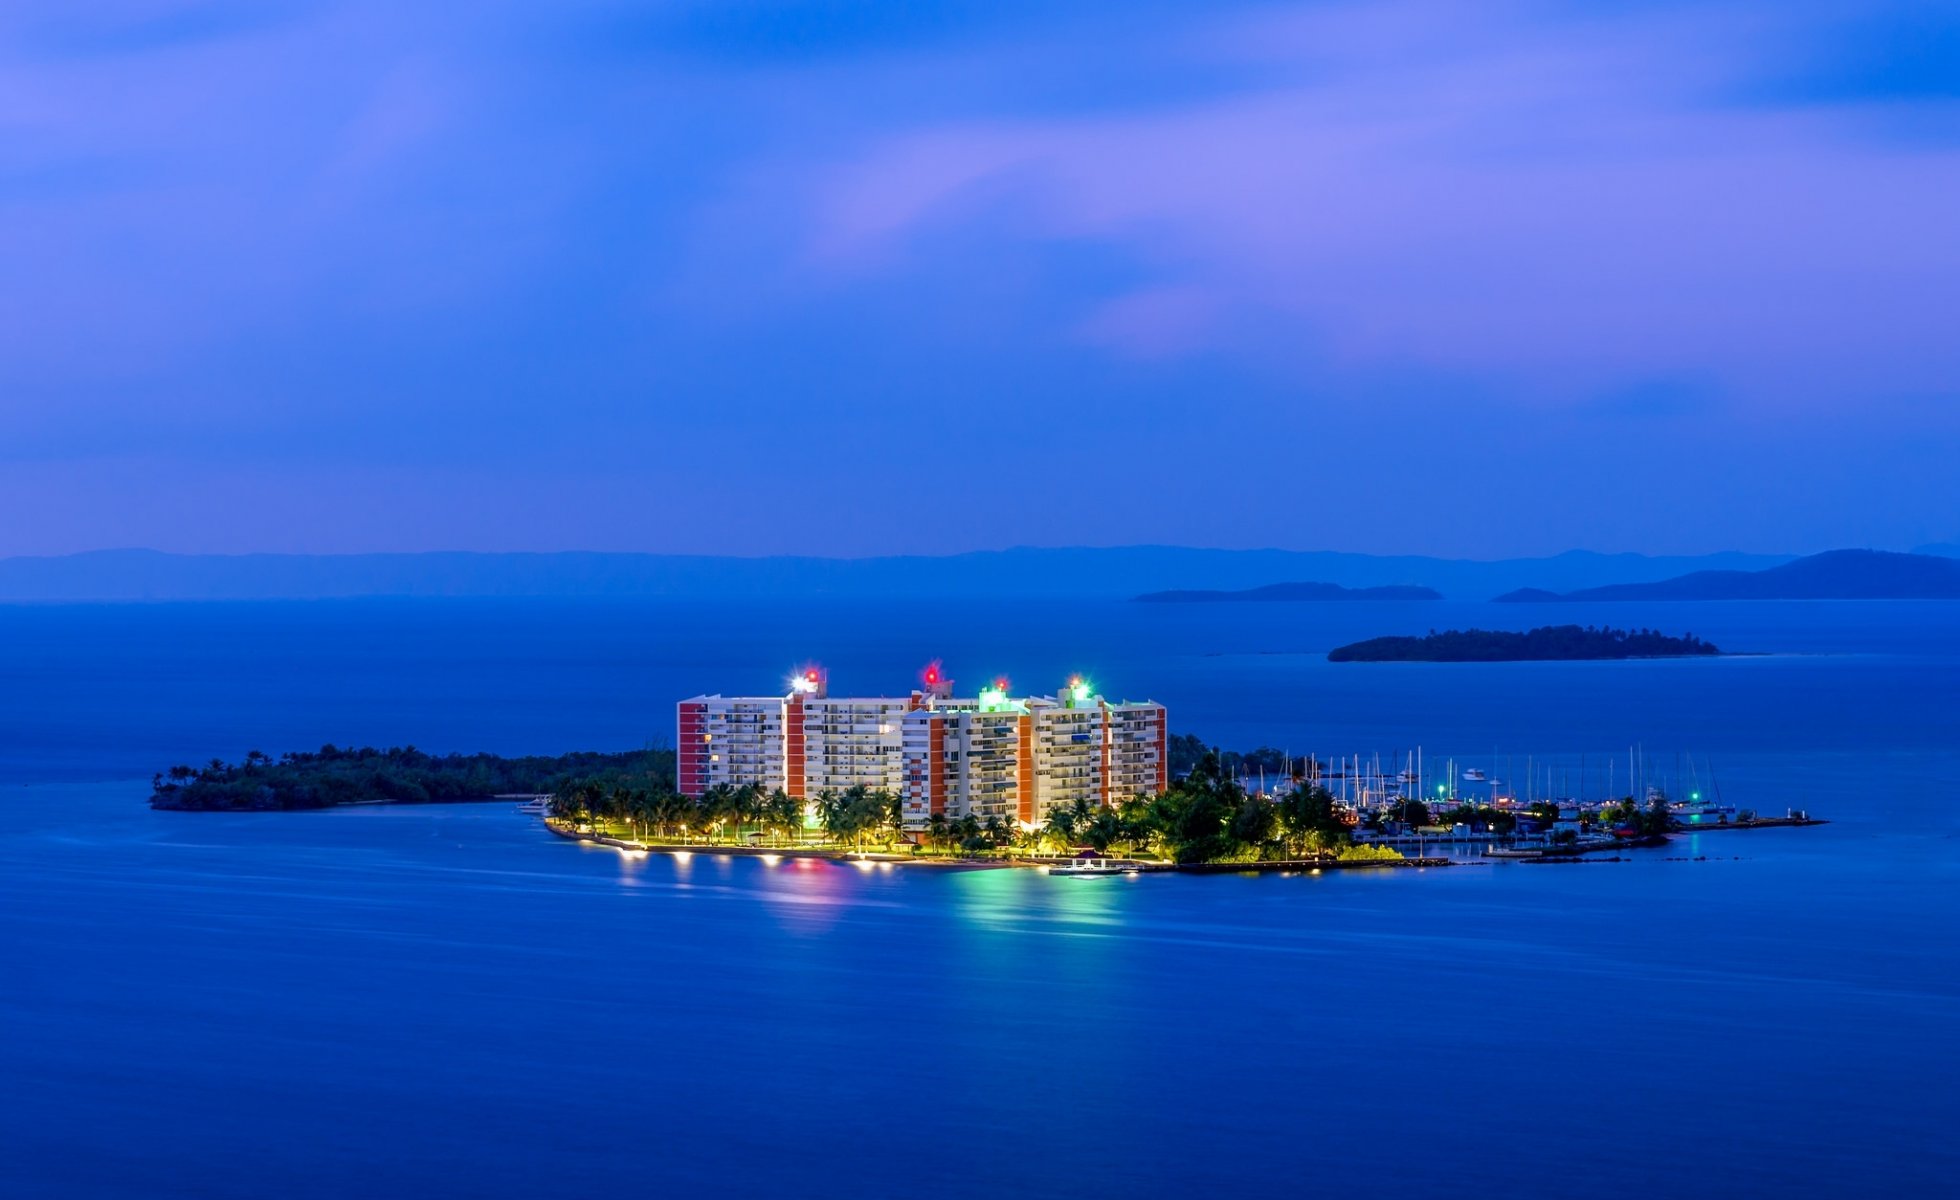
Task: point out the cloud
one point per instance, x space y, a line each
699 248
1561 207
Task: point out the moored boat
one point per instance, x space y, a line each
1093 864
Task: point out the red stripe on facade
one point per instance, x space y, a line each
936 765
793 765
1103 761
691 756
1163 757
1025 783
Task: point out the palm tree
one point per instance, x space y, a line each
619 805
830 814
891 814
1060 830
785 813
1105 828
717 804
671 810
750 807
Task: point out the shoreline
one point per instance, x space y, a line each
881 858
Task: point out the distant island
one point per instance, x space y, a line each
332 776
1834 575
1276 592
1550 643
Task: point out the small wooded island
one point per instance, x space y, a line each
1548 643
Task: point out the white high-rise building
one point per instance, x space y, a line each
991 756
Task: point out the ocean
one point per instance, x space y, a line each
450 1001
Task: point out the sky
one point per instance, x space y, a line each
865 278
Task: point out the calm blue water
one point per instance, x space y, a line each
449 1001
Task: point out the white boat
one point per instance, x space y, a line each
1093 866
536 806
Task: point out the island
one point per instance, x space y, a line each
1262 810
1548 643
333 775
629 801
1292 592
1834 575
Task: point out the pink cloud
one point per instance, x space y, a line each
1555 214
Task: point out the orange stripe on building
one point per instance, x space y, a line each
793 769
936 769
1103 782
1025 785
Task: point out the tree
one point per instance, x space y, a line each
854 813
830 814
1311 819
620 806
1659 818
1255 822
1059 832
1412 812
785 814
671 812
750 807
1103 830
717 807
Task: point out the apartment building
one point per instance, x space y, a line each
989 756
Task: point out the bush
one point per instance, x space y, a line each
1364 852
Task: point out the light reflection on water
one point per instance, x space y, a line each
452 1002
453 965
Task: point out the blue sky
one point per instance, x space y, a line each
905 278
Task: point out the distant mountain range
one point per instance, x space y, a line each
1282 592
1114 572
1836 575
1024 571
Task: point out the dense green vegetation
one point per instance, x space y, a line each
332 775
1563 642
1652 820
654 811
1204 817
